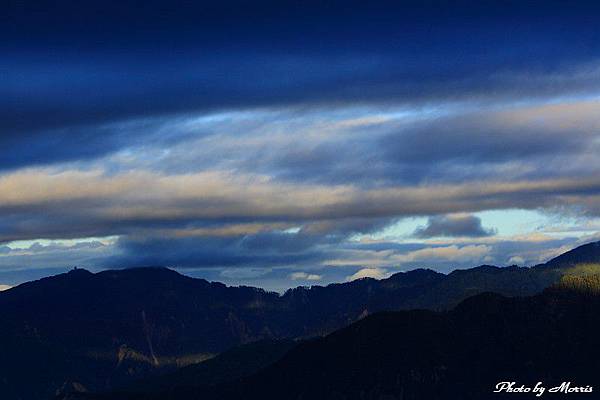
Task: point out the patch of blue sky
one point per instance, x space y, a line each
506 223
26 244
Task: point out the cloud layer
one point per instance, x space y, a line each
453 225
77 76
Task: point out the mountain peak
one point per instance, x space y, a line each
140 271
414 277
79 272
588 253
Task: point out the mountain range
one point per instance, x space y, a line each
81 331
463 353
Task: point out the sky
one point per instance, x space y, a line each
279 144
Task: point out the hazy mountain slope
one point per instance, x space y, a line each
233 364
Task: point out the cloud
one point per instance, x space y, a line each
406 146
4 287
64 104
215 252
82 253
226 219
376 273
346 226
453 225
45 203
470 253
304 276
516 260
496 136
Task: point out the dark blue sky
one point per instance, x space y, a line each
68 64
280 137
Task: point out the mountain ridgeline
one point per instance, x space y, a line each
418 354
83 331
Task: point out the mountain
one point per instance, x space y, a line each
586 254
414 355
99 331
233 364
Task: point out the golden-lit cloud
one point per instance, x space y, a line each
108 204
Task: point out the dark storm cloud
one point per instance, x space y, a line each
347 226
453 225
69 68
263 250
279 242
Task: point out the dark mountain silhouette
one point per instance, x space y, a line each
588 253
416 355
100 331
